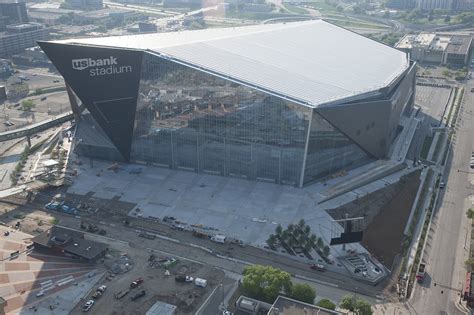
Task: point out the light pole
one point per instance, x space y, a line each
223 303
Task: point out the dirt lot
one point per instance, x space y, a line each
186 296
386 212
158 286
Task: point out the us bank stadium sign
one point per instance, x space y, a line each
100 67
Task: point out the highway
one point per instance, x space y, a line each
447 245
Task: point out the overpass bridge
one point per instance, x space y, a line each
30 130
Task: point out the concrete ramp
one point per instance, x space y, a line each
375 171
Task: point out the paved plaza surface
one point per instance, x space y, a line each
242 209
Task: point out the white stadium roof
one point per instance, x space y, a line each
314 62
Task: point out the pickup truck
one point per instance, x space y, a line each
120 294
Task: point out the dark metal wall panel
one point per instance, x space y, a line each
106 80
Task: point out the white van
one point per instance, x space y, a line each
200 282
218 238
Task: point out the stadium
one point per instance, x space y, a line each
284 103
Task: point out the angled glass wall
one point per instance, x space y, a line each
191 120
330 151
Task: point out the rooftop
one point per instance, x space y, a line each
459 45
71 241
287 306
307 62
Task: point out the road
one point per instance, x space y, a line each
445 252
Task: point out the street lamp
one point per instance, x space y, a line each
223 303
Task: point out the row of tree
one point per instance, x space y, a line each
266 283
297 235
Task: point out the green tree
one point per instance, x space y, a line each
307 230
469 263
319 242
265 282
27 105
271 241
303 292
290 228
301 224
278 230
447 73
326 304
313 238
326 251
348 303
470 213
363 307
359 306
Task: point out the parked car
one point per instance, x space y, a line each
96 295
136 283
102 288
184 278
138 295
318 267
86 307
40 293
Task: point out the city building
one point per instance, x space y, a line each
286 306
63 241
17 37
437 48
282 306
86 5
283 103
14 11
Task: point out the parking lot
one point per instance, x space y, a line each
157 283
47 105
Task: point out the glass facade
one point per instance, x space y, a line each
192 120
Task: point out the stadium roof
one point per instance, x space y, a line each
313 62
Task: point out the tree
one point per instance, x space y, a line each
290 228
363 307
307 230
470 213
271 241
278 230
265 282
447 19
326 251
303 292
313 238
326 304
28 105
359 306
348 303
320 242
469 263
301 224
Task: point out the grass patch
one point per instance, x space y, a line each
322 6
19 216
438 146
54 221
295 9
426 147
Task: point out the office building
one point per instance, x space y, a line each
14 11
435 48
21 36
